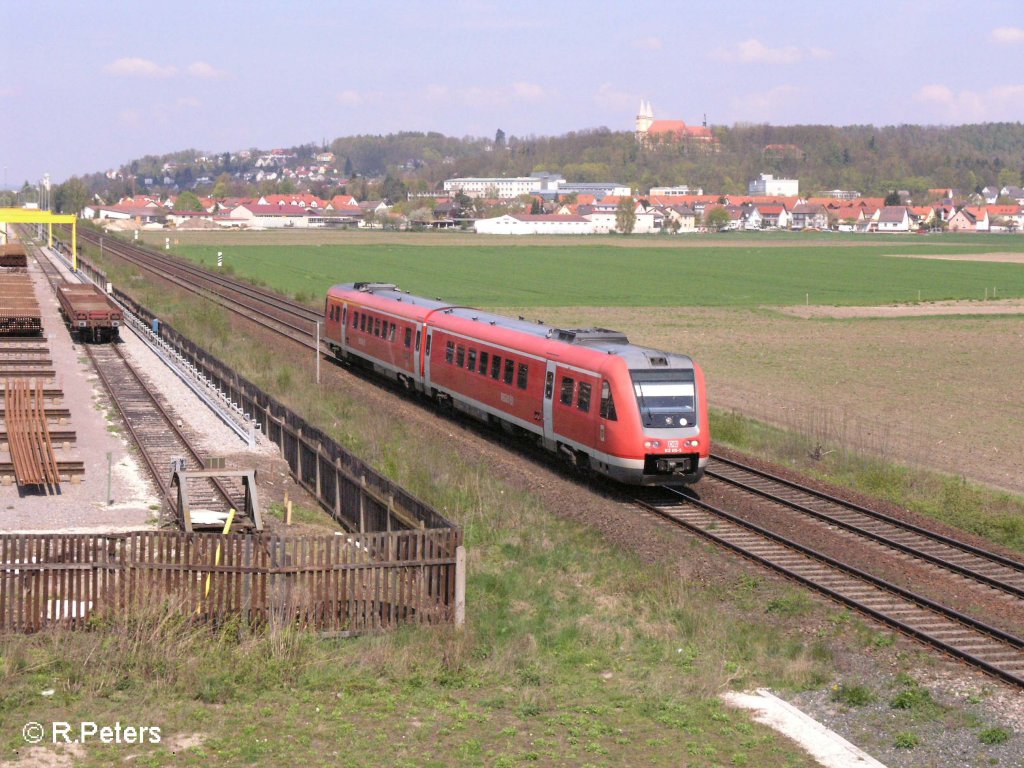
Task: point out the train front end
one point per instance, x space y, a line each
665 433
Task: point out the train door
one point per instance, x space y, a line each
419 368
343 336
549 395
426 358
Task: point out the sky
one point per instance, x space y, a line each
90 86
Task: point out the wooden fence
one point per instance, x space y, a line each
341 584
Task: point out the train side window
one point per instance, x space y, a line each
362 322
483 363
418 341
510 370
568 385
460 356
355 319
607 403
583 398
408 337
391 333
496 367
549 385
376 326
427 351
449 352
471 361
524 372
344 315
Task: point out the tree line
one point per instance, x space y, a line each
870 159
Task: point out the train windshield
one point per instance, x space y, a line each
667 399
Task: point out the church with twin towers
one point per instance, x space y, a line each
650 131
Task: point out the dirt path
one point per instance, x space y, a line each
925 309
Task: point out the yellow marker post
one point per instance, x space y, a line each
216 557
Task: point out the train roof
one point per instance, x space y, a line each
600 340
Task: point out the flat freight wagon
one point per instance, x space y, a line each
90 314
19 310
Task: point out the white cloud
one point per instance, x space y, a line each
753 51
350 98
135 67
129 117
436 92
528 91
609 97
1008 35
999 102
763 104
652 43
206 71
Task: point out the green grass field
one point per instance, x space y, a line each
772 269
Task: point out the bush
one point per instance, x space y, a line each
852 695
993 736
906 740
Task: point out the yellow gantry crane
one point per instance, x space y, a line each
36 216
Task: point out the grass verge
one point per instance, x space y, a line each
994 515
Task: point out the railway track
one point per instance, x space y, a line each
998 653
156 432
272 311
974 563
991 649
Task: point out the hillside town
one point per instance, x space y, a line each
539 203
544 203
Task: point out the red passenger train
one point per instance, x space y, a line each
631 413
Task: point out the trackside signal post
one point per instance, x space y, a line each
33 216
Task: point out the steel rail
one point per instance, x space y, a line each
958 547
198 281
142 441
272 298
951 621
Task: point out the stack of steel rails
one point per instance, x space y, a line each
28 435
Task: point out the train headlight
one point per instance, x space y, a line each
652 444
693 443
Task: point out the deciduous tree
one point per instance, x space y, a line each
716 219
625 216
188 201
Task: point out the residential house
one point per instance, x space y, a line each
681 218
809 216
962 221
750 216
980 214
1008 218
602 215
773 216
847 218
922 216
649 218
1013 192
373 210
894 218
